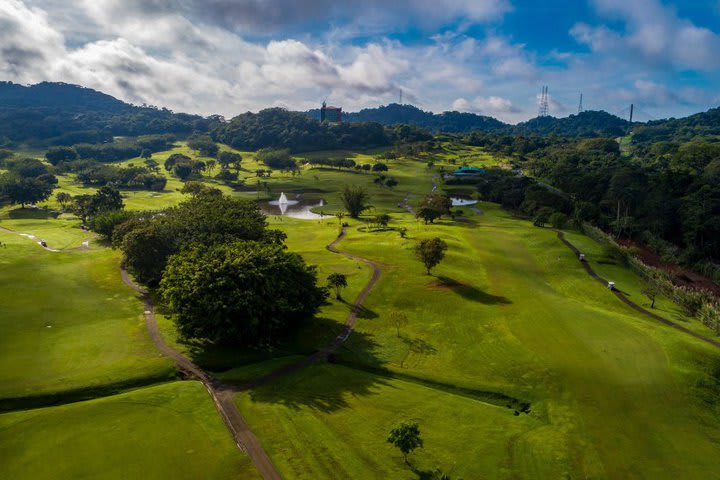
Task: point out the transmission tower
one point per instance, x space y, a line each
580 107
401 96
543 110
632 110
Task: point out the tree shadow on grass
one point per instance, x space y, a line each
362 311
31 214
419 346
469 292
325 386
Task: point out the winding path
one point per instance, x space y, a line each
224 395
630 303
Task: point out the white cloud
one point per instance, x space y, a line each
653 33
493 106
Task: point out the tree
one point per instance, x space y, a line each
211 164
651 292
430 252
56 155
338 281
382 220
63 198
106 199
228 159
204 145
203 220
406 437
24 190
245 293
198 188
146 153
558 220
398 320
542 216
355 200
391 182
434 206
379 167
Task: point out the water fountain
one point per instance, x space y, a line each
293 208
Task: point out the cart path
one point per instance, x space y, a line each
223 394
85 244
623 298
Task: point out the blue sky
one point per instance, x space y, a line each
484 56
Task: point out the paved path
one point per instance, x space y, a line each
629 302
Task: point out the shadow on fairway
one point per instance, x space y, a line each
468 292
363 312
327 386
31 214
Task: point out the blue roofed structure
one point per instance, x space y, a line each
468 171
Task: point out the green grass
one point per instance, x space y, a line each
511 311
332 422
166 431
510 315
68 323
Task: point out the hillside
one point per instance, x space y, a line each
64 114
585 124
395 114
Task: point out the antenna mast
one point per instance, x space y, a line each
632 110
543 110
580 107
401 96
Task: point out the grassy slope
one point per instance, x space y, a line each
160 432
512 311
68 322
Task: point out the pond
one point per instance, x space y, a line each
293 208
462 201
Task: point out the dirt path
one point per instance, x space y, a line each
220 393
629 302
224 395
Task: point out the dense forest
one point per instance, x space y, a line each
282 129
61 114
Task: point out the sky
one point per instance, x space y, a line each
490 57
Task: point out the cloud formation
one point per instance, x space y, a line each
223 56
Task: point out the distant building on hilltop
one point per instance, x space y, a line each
330 114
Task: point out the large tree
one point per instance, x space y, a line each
434 206
20 190
205 219
246 293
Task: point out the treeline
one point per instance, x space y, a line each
278 128
670 202
113 151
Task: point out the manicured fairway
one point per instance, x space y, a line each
511 311
332 422
68 323
166 431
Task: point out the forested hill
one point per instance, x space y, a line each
395 114
63 114
585 124
680 129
